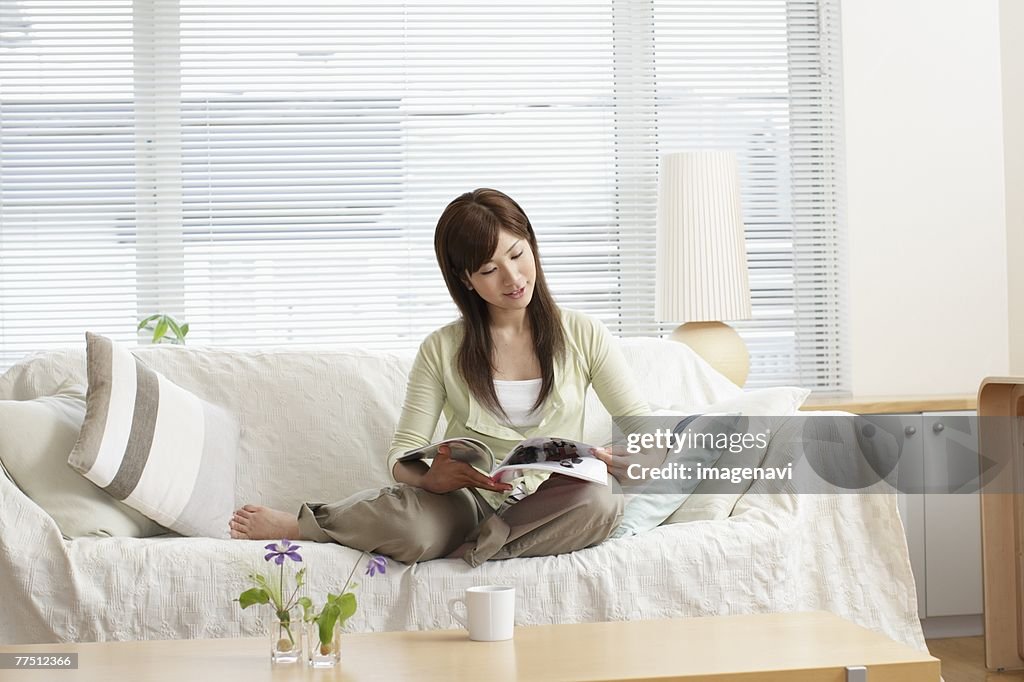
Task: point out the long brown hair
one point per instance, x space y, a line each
465 238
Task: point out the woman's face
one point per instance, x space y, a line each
506 281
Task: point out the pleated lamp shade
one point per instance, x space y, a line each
702 257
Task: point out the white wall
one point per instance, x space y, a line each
928 270
1012 28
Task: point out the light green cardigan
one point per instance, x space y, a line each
592 358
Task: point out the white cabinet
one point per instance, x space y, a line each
952 531
911 504
943 530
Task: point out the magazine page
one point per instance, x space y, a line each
556 456
469 450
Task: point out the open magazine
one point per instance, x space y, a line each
553 455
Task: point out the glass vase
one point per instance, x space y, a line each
286 636
323 654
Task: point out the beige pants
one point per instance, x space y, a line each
410 524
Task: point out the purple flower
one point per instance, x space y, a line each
280 550
376 564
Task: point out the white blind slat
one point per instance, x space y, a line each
274 176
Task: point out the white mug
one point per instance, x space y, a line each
490 612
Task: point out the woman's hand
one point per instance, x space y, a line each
447 474
617 460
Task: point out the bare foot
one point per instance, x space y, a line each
253 522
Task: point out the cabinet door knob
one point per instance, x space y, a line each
938 427
910 430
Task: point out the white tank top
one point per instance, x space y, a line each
517 399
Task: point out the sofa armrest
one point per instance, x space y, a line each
35 568
18 512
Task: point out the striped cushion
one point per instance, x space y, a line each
153 445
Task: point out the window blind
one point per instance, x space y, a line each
273 174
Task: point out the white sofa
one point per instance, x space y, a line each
316 425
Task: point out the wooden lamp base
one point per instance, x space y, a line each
719 345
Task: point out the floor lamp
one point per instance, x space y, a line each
702 258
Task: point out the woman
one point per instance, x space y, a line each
513 367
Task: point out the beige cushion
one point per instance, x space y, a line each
159 448
35 439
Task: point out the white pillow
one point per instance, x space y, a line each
668 374
36 437
768 402
656 500
713 500
161 449
671 374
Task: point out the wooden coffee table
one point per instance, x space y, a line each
792 647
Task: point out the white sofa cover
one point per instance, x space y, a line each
316 425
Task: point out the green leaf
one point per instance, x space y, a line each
256 595
268 585
275 595
347 605
184 331
173 325
300 576
307 608
161 329
326 620
146 321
